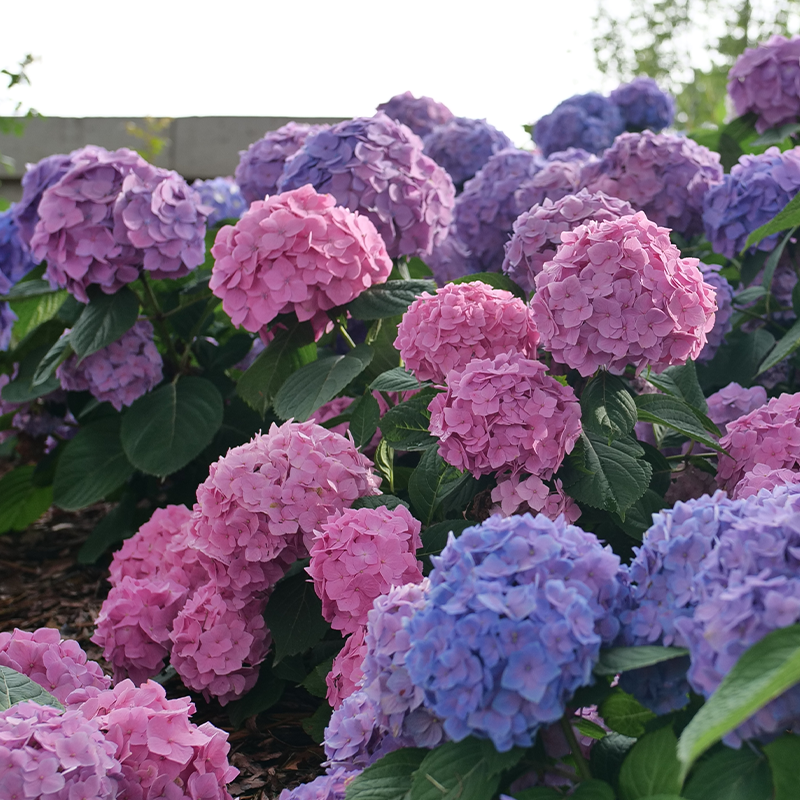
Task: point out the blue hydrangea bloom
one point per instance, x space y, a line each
15 256
722 318
512 626
223 196
643 105
589 121
331 786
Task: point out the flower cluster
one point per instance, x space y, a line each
502 644
537 233
222 198
764 80
485 211
504 413
450 259
643 105
7 320
516 494
756 189
732 402
261 165
722 317
119 373
460 323
462 146
762 477
331 786
662 174
376 166
15 258
589 121
295 252
559 176
357 556
618 293
421 114
346 675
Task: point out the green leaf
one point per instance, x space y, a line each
787 217
776 135
651 767
738 359
316 724
314 683
417 268
18 688
57 354
21 501
119 524
588 728
733 775
405 426
165 429
497 280
434 538
389 778
625 714
388 299
365 413
22 388
772 260
784 347
286 353
92 465
762 673
104 320
622 659
384 462
314 384
682 382
676 414
593 790
540 793
34 311
784 756
379 500
639 517
608 756
396 380
228 354
431 482
750 295
294 616
465 770
267 691
607 476
34 288
607 406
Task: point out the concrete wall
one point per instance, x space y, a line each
199 147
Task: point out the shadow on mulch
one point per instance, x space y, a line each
42 585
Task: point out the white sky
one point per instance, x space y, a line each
510 61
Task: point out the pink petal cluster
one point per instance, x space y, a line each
505 414
60 666
346 673
358 555
460 323
119 373
618 293
769 436
516 494
51 755
732 402
662 174
537 233
295 252
762 477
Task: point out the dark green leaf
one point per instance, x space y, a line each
315 683
32 288
733 775
431 482
267 691
104 320
639 517
784 347
776 135
434 538
365 414
384 462
22 388
676 414
21 501
593 790
388 299
651 767
750 295
92 465
681 381
624 714
787 217
662 470
396 380
607 406
588 728
608 755
306 390
34 311
316 724
389 778
417 268
58 353
773 258
621 659
379 500
18 688
381 337
119 524
69 311
539 793
497 280
405 426
164 430
784 756
228 354
738 359
751 266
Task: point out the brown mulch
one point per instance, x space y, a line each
42 585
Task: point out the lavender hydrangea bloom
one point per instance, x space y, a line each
559 176
15 256
331 786
513 624
643 105
589 121
224 198
462 146
722 318
732 402
756 189
261 165
7 320
421 114
450 259
662 174
375 166
119 373
485 211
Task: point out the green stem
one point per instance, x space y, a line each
212 303
584 773
157 317
345 335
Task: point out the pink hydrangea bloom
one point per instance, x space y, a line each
119 373
332 409
460 323
58 665
358 555
618 293
45 753
515 494
162 753
762 477
503 414
346 672
295 252
537 233
769 436
732 402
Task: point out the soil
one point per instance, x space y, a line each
42 585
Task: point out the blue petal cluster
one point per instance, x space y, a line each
15 256
512 626
224 196
462 146
722 318
589 121
643 105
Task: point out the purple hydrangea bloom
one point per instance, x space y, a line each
662 174
537 233
7 320
589 121
118 373
756 189
375 166
223 197
732 402
559 176
485 211
766 81
261 165
643 105
450 259
722 318
512 626
331 786
421 114
15 256
462 146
